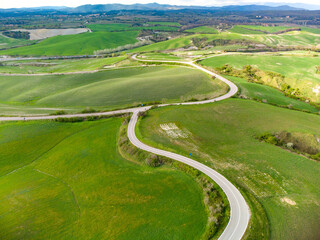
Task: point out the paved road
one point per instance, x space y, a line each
239 210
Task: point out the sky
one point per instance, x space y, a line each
74 3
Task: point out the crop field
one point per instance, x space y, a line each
68 181
203 29
300 71
80 44
107 89
6 42
223 136
58 66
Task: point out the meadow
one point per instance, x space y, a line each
280 186
269 95
59 191
118 27
159 56
300 71
6 42
58 66
80 44
108 89
292 39
174 24
203 29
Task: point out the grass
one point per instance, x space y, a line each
299 70
107 89
62 192
79 44
303 39
111 27
174 24
58 66
159 56
268 95
241 30
203 29
269 29
118 27
183 42
6 42
222 135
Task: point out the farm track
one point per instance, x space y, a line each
239 210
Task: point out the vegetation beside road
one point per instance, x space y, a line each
299 73
223 136
59 191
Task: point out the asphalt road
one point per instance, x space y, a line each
239 210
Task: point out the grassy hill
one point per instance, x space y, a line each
107 89
117 27
68 181
223 136
300 71
79 44
203 29
58 66
6 42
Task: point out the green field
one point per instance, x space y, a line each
272 29
268 95
269 29
241 30
159 56
79 44
6 42
300 71
68 181
304 39
222 135
185 41
203 29
118 27
58 66
174 24
106 89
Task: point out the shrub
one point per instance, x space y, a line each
88 110
60 112
154 161
269 138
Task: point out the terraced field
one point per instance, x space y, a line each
105 90
300 71
80 44
223 136
68 181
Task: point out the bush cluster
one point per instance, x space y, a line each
300 145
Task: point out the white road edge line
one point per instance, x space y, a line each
239 209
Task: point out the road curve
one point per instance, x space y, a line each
239 210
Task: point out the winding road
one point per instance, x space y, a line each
239 210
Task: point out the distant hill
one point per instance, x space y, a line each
97 8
